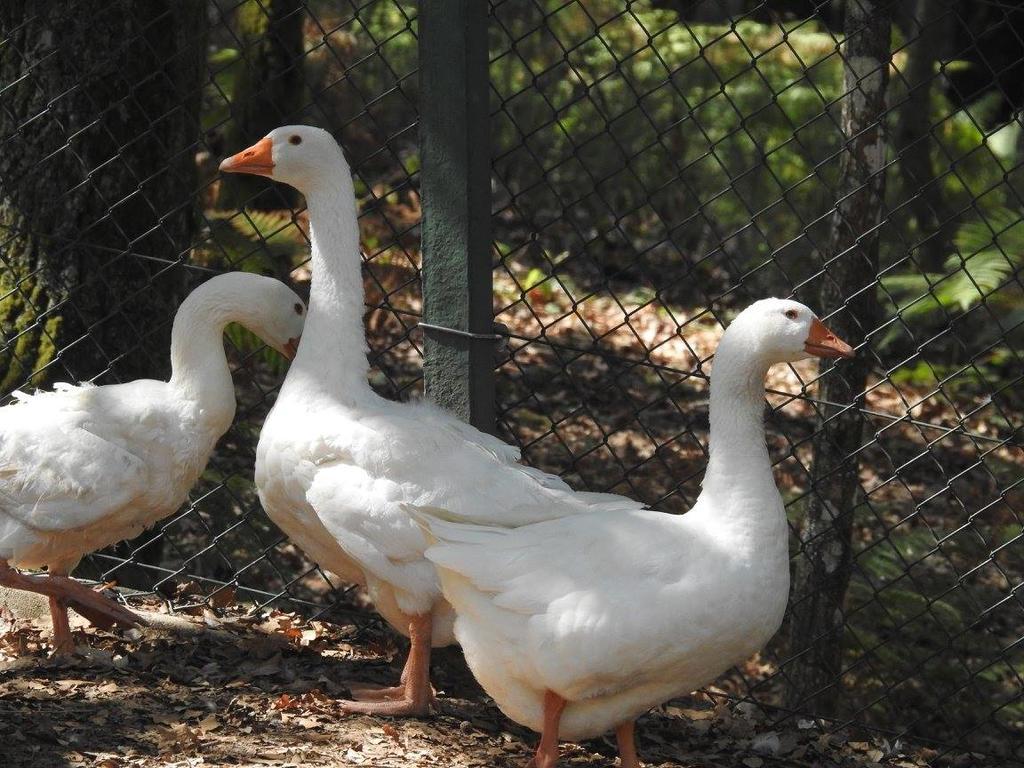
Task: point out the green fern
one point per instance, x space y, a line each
990 252
258 241
247 342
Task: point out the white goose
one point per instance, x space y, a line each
577 626
85 466
336 462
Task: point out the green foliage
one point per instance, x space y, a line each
246 342
225 66
252 19
673 140
906 607
263 242
990 252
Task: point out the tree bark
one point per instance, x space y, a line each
269 93
823 570
928 24
99 122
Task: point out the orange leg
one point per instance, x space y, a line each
547 750
414 696
63 643
382 693
627 745
64 592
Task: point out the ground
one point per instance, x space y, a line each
228 688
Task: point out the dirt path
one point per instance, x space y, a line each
260 691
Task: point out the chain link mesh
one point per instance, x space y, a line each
656 166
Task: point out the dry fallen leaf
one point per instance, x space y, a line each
165 718
199 703
222 598
178 737
692 714
285 701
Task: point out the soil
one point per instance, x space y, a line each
228 688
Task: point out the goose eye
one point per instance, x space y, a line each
295 139
298 308
792 314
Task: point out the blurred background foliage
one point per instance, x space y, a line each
705 152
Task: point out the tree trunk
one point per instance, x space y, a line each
99 122
269 93
823 571
928 24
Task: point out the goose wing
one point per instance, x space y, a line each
439 461
564 592
370 468
57 469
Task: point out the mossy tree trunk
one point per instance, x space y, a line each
99 123
269 92
823 568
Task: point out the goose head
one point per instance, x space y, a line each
298 155
267 307
784 331
280 319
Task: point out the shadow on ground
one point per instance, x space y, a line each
231 689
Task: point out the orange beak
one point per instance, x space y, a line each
257 159
291 349
821 342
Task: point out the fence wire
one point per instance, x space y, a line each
656 166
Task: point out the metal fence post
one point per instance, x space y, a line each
458 364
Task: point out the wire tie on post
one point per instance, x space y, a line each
457 332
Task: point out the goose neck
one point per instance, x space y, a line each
333 349
738 453
199 367
742 498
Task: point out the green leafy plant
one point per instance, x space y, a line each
990 252
265 242
905 605
224 64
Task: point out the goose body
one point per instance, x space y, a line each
82 467
336 475
577 626
87 466
615 613
337 464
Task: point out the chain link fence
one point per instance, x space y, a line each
235 70
657 165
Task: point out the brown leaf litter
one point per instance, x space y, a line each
260 690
